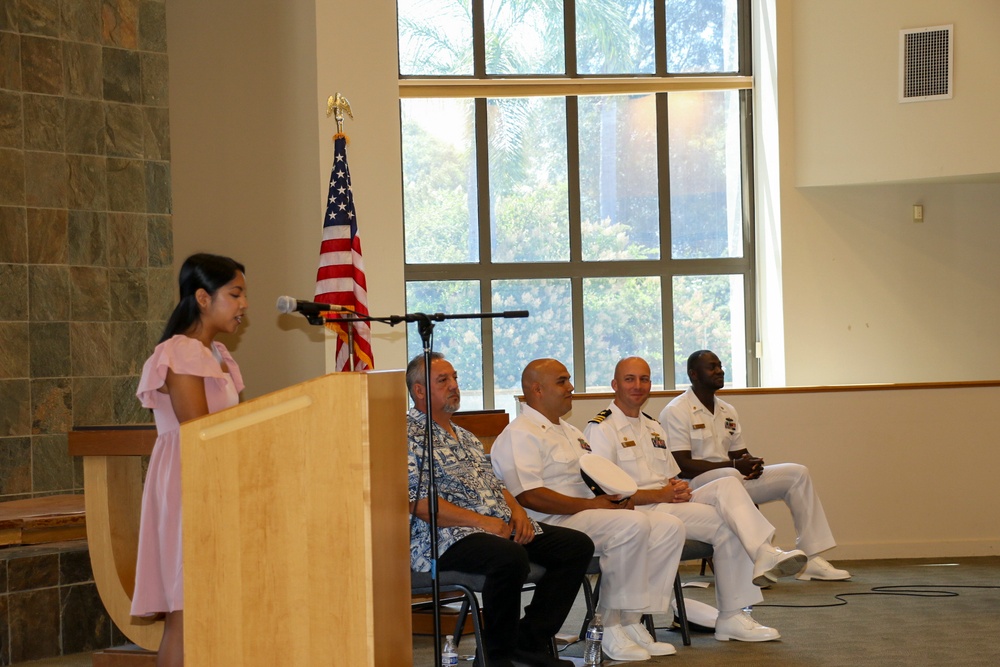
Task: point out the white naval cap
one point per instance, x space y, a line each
604 477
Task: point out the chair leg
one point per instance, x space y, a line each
647 620
681 611
591 594
463 613
477 628
707 562
588 597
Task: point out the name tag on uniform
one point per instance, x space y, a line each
628 443
697 426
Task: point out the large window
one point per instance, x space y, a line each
586 161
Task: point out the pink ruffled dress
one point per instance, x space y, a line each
159 585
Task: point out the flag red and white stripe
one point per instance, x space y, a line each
340 279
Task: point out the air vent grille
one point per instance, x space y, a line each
925 64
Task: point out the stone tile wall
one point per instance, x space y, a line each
86 275
86 248
49 604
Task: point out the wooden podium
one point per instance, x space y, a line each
296 539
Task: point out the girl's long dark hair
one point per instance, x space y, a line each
200 271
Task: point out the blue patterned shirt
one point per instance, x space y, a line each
464 477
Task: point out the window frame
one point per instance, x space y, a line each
480 86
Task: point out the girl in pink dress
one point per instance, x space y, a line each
189 375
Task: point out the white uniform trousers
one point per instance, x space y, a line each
639 554
791 483
722 514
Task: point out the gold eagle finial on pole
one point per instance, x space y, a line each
337 104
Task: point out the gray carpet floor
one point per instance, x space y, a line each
889 629
951 618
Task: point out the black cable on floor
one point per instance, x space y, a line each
903 590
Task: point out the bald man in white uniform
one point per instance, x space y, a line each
537 457
720 513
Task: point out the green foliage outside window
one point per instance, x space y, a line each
620 210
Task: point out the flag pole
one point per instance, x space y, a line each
337 104
350 346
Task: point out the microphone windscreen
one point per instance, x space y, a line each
515 313
286 304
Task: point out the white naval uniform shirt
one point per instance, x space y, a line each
532 452
637 446
690 425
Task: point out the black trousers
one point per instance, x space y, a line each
564 553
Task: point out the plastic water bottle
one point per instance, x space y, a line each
449 656
595 633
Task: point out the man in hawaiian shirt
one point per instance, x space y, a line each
483 530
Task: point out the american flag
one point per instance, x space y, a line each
340 279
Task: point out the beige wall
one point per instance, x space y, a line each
869 295
365 68
879 462
252 153
851 127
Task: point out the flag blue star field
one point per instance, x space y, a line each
340 280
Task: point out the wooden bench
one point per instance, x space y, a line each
40 520
112 477
484 424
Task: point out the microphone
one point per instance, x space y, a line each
287 304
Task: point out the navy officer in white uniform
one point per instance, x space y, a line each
537 457
720 513
704 435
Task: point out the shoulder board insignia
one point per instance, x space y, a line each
601 416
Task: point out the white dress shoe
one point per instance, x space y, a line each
820 568
638 633
617 645
743 628
773 563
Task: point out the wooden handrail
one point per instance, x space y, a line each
806 389
137 440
